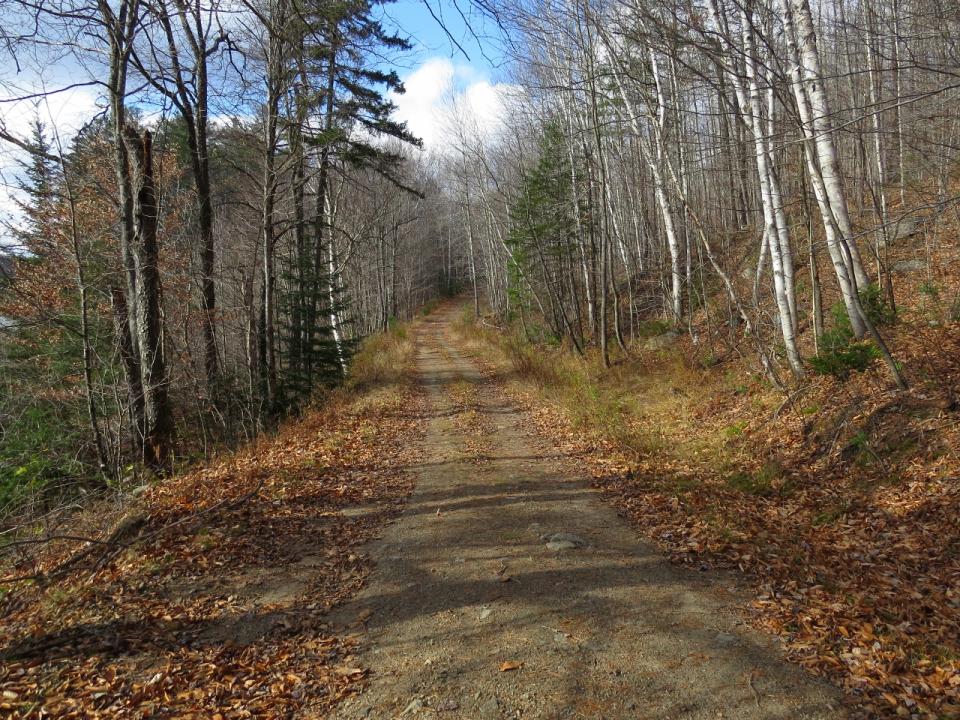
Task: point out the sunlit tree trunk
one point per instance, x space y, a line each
158 416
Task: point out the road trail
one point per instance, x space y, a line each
477 609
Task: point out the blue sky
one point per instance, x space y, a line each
436 73
413 17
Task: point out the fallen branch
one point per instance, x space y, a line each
113 542
117 539
756 695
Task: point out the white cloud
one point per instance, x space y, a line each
422 103
485 103
63 113
440 95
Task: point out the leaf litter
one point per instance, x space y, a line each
850 546
220 612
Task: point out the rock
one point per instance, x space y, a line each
448 705
416 705
557 542
570 538
490 708
902 266
661 342
904 227
724 640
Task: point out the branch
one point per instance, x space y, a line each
25 145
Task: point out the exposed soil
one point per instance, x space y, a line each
477 609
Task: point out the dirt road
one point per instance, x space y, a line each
509 590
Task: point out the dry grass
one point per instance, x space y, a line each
645 404
383 359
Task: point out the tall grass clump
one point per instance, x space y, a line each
383 359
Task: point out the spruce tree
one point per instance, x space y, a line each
542 226
341 119
38 187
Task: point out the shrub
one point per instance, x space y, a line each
840 352
930 290
877 309
768 480
839 355
39 453
652 328
735 430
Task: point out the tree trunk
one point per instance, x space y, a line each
158 416
814 86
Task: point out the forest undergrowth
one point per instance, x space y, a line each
210 602
835 503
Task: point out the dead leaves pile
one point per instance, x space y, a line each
219 613
853 548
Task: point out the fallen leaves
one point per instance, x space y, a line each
851 539
225 617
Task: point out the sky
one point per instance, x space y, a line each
459 66
456 63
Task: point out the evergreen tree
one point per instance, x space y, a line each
38 187
542 226
341 115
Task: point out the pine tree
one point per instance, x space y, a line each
341 45
38 187
542 226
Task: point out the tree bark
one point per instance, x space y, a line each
158 417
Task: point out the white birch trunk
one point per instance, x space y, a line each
814 86
776 236
841 264
669 225
774 219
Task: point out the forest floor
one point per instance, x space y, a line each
213 603
442 539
